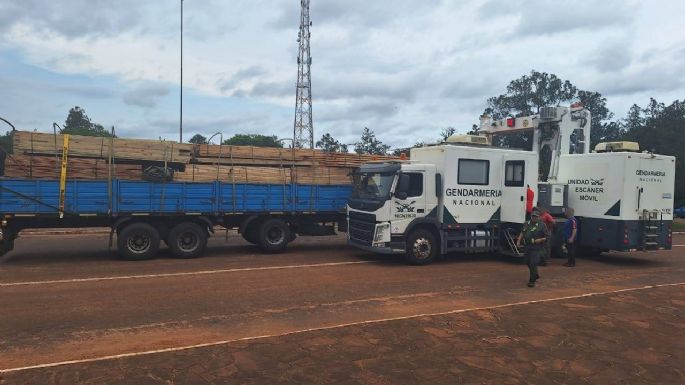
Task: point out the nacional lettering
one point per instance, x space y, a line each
473 202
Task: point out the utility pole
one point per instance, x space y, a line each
180 122
303 130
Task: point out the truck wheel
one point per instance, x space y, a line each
273 235
187 240
422 248
251 232
138 241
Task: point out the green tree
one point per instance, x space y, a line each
256 140
529 93
446 133
329 144
407 150
78 123
601 128
198 139
7 142
368 144
475 130
660 128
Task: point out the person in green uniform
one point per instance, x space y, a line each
533 236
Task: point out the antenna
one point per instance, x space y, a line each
303 131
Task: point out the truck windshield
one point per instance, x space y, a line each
372 185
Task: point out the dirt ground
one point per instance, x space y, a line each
324 313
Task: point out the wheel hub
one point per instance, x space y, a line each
139 243
275 235
422 248
188 241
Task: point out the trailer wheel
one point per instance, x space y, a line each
273 235
187 240
251 232
422 248
138 241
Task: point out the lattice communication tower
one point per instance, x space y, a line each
303 132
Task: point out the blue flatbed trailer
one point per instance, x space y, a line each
182 214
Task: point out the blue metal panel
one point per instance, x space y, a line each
91 197
86 197
42 197
166 198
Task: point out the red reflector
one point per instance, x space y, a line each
625 241
511 122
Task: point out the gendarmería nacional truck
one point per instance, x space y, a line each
467 196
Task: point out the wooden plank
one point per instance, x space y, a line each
47 167
98 147
35 158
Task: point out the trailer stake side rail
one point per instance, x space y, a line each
180 213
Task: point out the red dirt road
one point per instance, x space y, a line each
80 303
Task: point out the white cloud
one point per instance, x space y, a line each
405 68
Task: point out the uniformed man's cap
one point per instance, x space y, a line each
535 213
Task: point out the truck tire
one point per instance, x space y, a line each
138 241
273 235
422 247
251 232
187 240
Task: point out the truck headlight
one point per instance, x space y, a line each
382 232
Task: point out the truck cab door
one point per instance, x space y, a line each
409 200
514 189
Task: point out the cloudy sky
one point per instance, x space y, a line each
404 68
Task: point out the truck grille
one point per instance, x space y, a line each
362 227
366 217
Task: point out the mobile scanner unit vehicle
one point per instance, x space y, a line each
466 196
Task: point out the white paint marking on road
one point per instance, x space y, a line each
187 273
224 342
678 245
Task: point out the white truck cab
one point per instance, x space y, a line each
448 198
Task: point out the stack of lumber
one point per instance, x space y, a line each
38 155
48 167
36 143
256 174
248 155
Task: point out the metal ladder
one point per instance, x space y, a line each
512 243
650 230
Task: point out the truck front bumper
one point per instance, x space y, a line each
390 249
